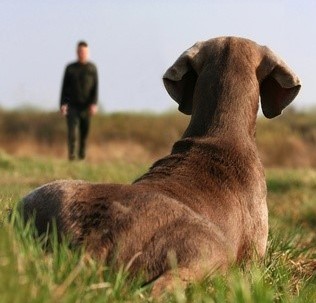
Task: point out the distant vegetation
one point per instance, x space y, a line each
286 141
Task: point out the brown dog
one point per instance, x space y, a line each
204 205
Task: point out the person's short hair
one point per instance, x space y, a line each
82 44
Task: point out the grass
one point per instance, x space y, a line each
28 274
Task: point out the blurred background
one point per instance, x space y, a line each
133 43
287 141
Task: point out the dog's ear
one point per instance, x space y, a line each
279 88
180 79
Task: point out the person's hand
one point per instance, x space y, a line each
64 109
93 109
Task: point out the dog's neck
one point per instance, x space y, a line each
228 110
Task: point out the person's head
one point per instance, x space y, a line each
82 51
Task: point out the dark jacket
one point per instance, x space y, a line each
80 85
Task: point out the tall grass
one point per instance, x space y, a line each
286 141
30 274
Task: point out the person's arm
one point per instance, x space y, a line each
93 108
64 93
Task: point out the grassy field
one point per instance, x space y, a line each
27 274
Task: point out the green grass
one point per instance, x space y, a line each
28 274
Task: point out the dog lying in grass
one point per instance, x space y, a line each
204 205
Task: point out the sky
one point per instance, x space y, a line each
133 42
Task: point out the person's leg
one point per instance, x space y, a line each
84 131
72 122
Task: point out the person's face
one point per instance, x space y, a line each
83 54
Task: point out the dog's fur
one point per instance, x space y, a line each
204 205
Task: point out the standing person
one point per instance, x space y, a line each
79 99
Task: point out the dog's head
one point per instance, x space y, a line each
226 57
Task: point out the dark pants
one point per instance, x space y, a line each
77 119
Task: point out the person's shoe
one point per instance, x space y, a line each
71 157
81 156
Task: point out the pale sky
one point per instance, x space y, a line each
133 43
